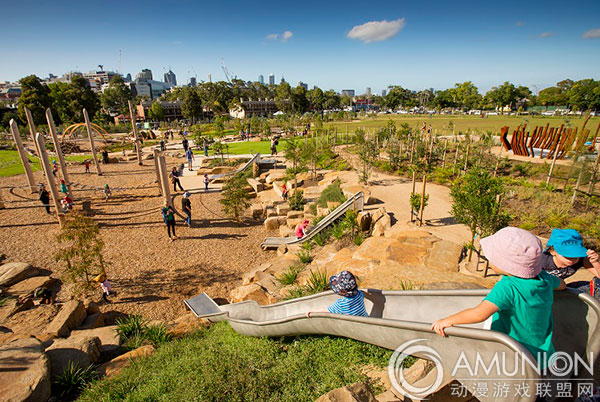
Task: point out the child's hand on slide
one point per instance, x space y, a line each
440 325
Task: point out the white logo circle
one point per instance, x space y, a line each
396 369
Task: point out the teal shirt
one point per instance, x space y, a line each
525 311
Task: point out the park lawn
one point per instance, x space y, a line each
10 163
219 364
440 123
246 147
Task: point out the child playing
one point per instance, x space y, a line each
107 192
565 254
521 301
205 182
284 192
168 214
87 166
54 168
301 229
352 301
105 286
63 187
66 204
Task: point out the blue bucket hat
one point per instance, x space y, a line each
344 284
567 242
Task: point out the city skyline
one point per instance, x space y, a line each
414 46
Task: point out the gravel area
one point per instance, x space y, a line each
151 275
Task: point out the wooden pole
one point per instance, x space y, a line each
157 170
91 138
135 133
162 166
32 130
496 167
593 178
467 157
455 159
422 200
14 129
57 149
39 139
444 157
574 197
551 168
414 180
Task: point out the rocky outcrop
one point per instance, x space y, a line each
25 371
358 392
14 272
116 365
272 223
81 351
71 315
186 324
28 285
252 291
109 337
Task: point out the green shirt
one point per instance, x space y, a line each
525 311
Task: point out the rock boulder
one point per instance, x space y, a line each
358 392
81 351
116 365
71 315
252 291
25 371
14 272
109 337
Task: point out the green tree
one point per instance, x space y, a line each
294 153
367 152
156 111
585 95
69 100
235 196
332 100
283 98
316 98
191 107
82 251
115 98
35 96
466 95
475 203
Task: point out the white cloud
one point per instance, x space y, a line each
591 34
283 37
546 34
376 31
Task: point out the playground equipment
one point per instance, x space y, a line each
255 158
397 317
77 128
356 202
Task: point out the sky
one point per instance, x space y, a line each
332 44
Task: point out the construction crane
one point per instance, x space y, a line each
101 67
228 74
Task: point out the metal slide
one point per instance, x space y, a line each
356 202
396 317
255 158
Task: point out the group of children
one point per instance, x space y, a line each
520 304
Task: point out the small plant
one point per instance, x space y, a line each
131 326
289 276
235 196
332 193
304 256
557 217
3 301
157 334
312 208
359 238
338 230
296 200
317 282
295 292
408 285
73 380
321 238
415 201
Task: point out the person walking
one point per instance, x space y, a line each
274 144
45 198
87 165
107 192
185 144
168 215
205 146
206 182
162 145
186 207
175 179
189 154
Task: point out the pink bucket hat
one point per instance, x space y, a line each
515 251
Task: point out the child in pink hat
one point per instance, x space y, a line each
521 302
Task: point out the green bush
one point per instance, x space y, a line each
304 256
296 200
136 332
131 326
338 230
332 192
359 238
317 282
289 276
321 238
72 381
415 201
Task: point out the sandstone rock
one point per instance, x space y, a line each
282 209
444 256
14 272
256 185
116 365
350 190
451 285
18 307
378 214
353 393
322 211
255 169
222 169
250 276
270 212
80 351
364 220
285 231
382 249
295 214
25 371
272 223
252 291
403 233
71 315
275 176
282 221
109 337
186 324
147 157
382 225
293 222
282 249
267 281
93 321
418 370
27 286
91 307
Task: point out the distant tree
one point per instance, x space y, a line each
219 126
294 153
235 196
331 100
156 111
466 95
69 100
585 95
283 98
316 98
300 103
367 152
35 96
115 97
191 107
444 99
552 96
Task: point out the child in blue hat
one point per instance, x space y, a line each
565 254
352 301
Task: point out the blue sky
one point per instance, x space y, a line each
331 44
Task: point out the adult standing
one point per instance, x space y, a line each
190 157
205 146
186 207
274 144
185 144
162 145
168 215
45 198
175 179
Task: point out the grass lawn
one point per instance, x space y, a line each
246 147
218 364
10 163
462 123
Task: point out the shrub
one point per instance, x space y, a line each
408 285
157 334
235 197
136 332
289 276
333 193
415 201
557 217
295 292
317 282
359 238
338 230
312 208
73 380
304 256
442 176
131 326
296 200
321 238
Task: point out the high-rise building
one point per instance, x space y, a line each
261 79
128 77
271 79
303 85
383 92
192 82
209 77
368 91
348 92
282 79
170 78
144 75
